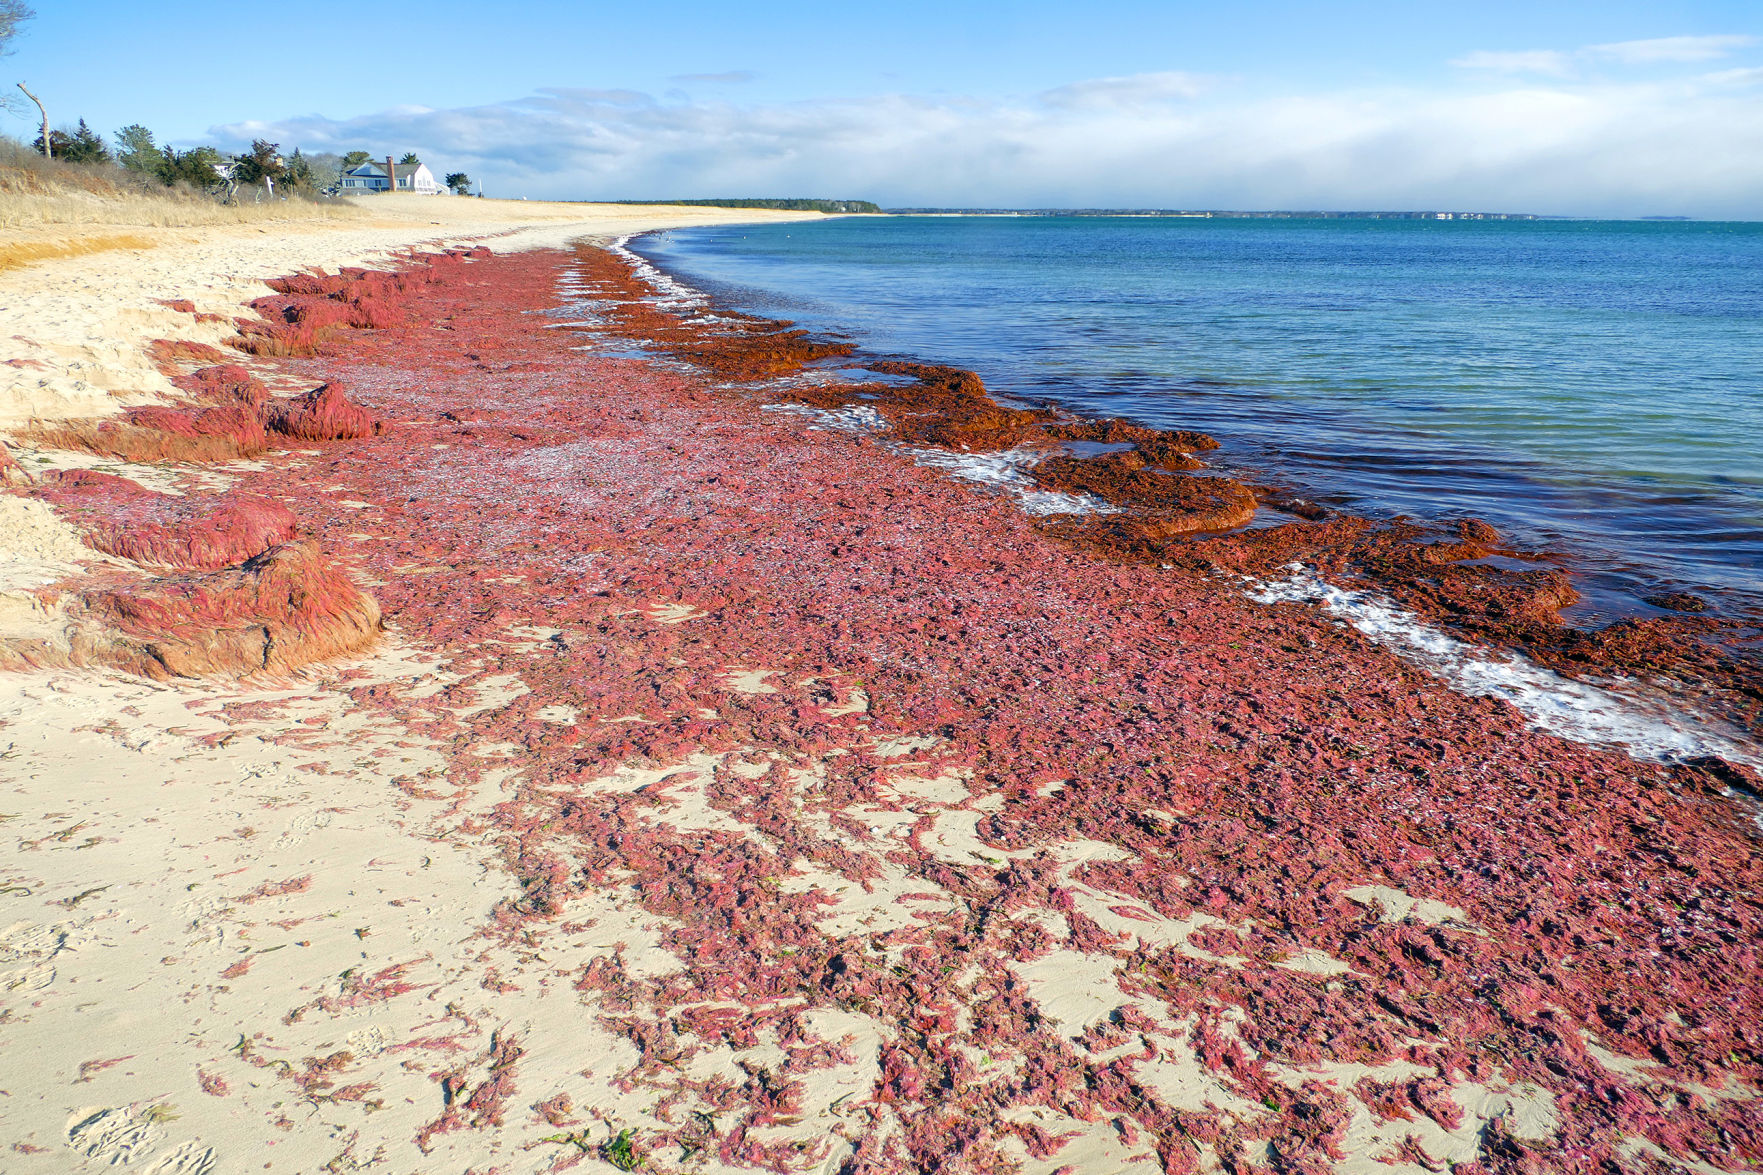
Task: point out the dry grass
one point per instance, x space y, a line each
126 209
38 194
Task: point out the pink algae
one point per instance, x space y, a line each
190 533
276 611
324 414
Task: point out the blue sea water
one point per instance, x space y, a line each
1591 388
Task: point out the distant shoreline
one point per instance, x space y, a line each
1239 214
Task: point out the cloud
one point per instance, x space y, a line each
1540 61
1135 90
1559 64
733 77
1734 77
1680 147
1670 49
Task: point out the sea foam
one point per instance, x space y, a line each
1646 724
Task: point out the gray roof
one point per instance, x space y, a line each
377 167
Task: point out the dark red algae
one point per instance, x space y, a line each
1098 862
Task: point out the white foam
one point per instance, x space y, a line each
1041 503
669 293
1645 723
1007 470
858 418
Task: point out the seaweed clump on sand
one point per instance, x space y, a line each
202 583
309 310
188 532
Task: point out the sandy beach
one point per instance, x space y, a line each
467 715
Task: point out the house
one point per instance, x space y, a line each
381 176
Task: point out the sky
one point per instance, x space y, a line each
1613 108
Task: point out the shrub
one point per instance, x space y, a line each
80 145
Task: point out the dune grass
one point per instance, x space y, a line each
48 207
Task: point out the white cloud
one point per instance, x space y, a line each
1676 49
1734 77
1686 147
1135 90
1559 64
1542 61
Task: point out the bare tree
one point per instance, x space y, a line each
46 135
12 14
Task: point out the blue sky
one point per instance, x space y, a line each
1609 108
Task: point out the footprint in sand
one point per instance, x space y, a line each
190 1158
123 1136
27 952
117 1136
303 826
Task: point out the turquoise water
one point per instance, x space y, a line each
1594 388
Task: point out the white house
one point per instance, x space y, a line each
381 176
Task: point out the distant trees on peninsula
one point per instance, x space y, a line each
797 204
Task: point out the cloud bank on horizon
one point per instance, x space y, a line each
1672 125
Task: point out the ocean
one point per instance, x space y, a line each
1590 388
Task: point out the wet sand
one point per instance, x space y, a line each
730 779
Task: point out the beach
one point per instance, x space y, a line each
486 709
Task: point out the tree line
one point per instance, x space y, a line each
207 169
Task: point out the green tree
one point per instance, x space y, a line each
409 160
299 174
195 167
57 144
136 150
354 159
459 182
87 146
80 145
263 162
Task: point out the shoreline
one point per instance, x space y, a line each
1668 684
747 786
1612 532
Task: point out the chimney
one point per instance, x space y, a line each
391 174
